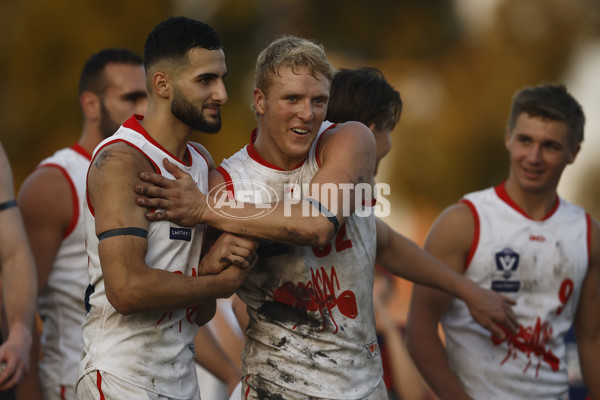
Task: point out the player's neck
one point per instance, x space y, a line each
270 153
536 204
90 138
172 134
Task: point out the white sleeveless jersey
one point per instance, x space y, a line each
541 265
311 326
151 350
61 304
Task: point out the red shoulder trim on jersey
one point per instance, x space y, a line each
74 197
503 195
256 157
319 143
475 233
228 181
588 221
133 123
80 150
155 165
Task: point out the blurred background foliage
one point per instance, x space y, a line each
455 63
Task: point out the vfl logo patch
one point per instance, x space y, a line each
179 233
372 349
507 262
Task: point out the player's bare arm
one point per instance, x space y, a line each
449 241
19 282
211 355
404 258
347 159
587 320
131 285
46 189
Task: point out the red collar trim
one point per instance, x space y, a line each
134 123
501 192
256 157
80 150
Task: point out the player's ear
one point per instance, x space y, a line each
90 105
259 101
507 135
573 154
161 84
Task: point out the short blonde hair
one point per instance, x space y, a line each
292 52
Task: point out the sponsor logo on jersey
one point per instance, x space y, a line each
179 233
507 262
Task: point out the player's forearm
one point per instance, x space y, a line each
205 311
292 224
20 290
408 383
211 356
404 258
590 365
20 335
160 291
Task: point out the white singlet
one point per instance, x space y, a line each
61 304
151 350
541 265
312 326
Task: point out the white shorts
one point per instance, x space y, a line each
103 386
268 389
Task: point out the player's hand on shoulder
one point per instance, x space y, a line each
229 249
177 200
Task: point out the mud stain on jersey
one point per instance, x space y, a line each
276 311
281 343
263 394
284 376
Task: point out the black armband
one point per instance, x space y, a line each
123 232
323 210
8 204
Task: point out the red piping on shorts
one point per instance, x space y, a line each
99 384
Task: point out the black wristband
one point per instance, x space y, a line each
8 204
323 210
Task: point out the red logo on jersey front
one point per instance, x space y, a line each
531 341
319 294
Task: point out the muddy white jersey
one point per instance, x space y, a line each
151 350
541 265
61 304
311 327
